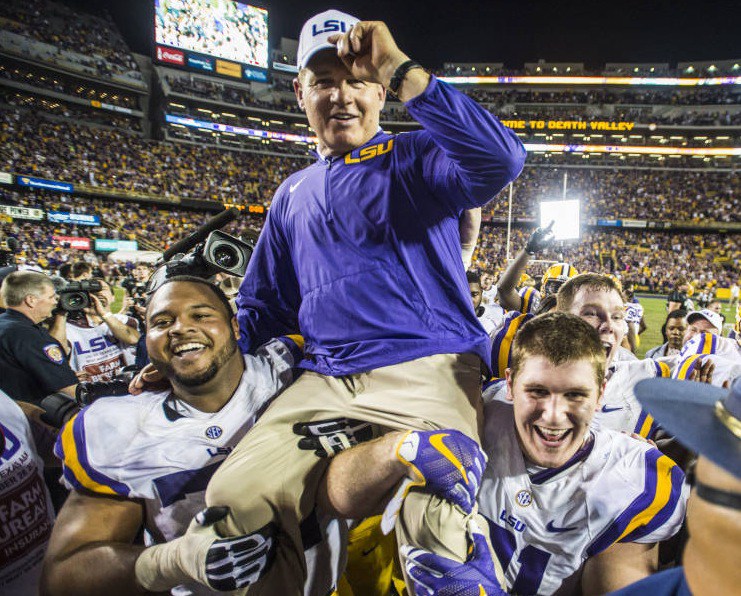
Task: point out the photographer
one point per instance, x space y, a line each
32 363
98 342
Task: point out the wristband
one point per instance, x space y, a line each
107 316
400 73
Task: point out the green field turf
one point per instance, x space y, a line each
654 313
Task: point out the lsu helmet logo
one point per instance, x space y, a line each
367 153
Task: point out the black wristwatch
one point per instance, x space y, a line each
400 73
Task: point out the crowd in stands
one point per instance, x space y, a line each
64 109
220 91
153 226
650 259
111 158
628 193
496 100
60 26
67 85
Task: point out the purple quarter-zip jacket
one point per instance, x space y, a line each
362 254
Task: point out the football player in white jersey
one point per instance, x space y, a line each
598 300
491 316
569 507
146 459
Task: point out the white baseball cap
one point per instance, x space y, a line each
318 29
710 316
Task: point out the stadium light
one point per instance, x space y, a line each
566 217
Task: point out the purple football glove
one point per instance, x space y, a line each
446 462
434 575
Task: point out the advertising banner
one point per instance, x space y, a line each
171 56
82 219
230 69
107 245
45 184
6 178
22 212
73 242
201 63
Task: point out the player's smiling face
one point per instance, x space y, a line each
604 310
343 111
190 336
553 408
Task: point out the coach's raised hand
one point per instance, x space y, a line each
369 51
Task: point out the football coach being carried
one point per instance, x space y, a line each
361 252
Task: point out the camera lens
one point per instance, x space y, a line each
226 256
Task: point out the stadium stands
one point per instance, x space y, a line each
51 127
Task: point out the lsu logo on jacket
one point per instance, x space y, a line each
370 152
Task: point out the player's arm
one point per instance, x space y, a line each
469 224
91 550
507 294
361 480
539 240
620 565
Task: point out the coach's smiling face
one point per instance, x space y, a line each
343 111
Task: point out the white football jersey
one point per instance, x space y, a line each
623 355
489 296
96 351
620 410
26 511
160 450
545 523
710 343
725 369
491 317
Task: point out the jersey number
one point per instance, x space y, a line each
532 560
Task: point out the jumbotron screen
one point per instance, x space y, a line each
212 36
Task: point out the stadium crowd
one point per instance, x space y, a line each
117 160
66 29
66 84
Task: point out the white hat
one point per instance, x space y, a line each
317 29
710 316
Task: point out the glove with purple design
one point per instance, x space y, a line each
434 575
326 438
222 564
446 462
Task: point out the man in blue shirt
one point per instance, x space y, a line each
361 252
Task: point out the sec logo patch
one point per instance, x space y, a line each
54 353
214 432
524 498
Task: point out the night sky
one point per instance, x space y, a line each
434 32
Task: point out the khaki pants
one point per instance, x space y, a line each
267 478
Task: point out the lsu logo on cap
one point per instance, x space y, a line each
329 26
54 353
